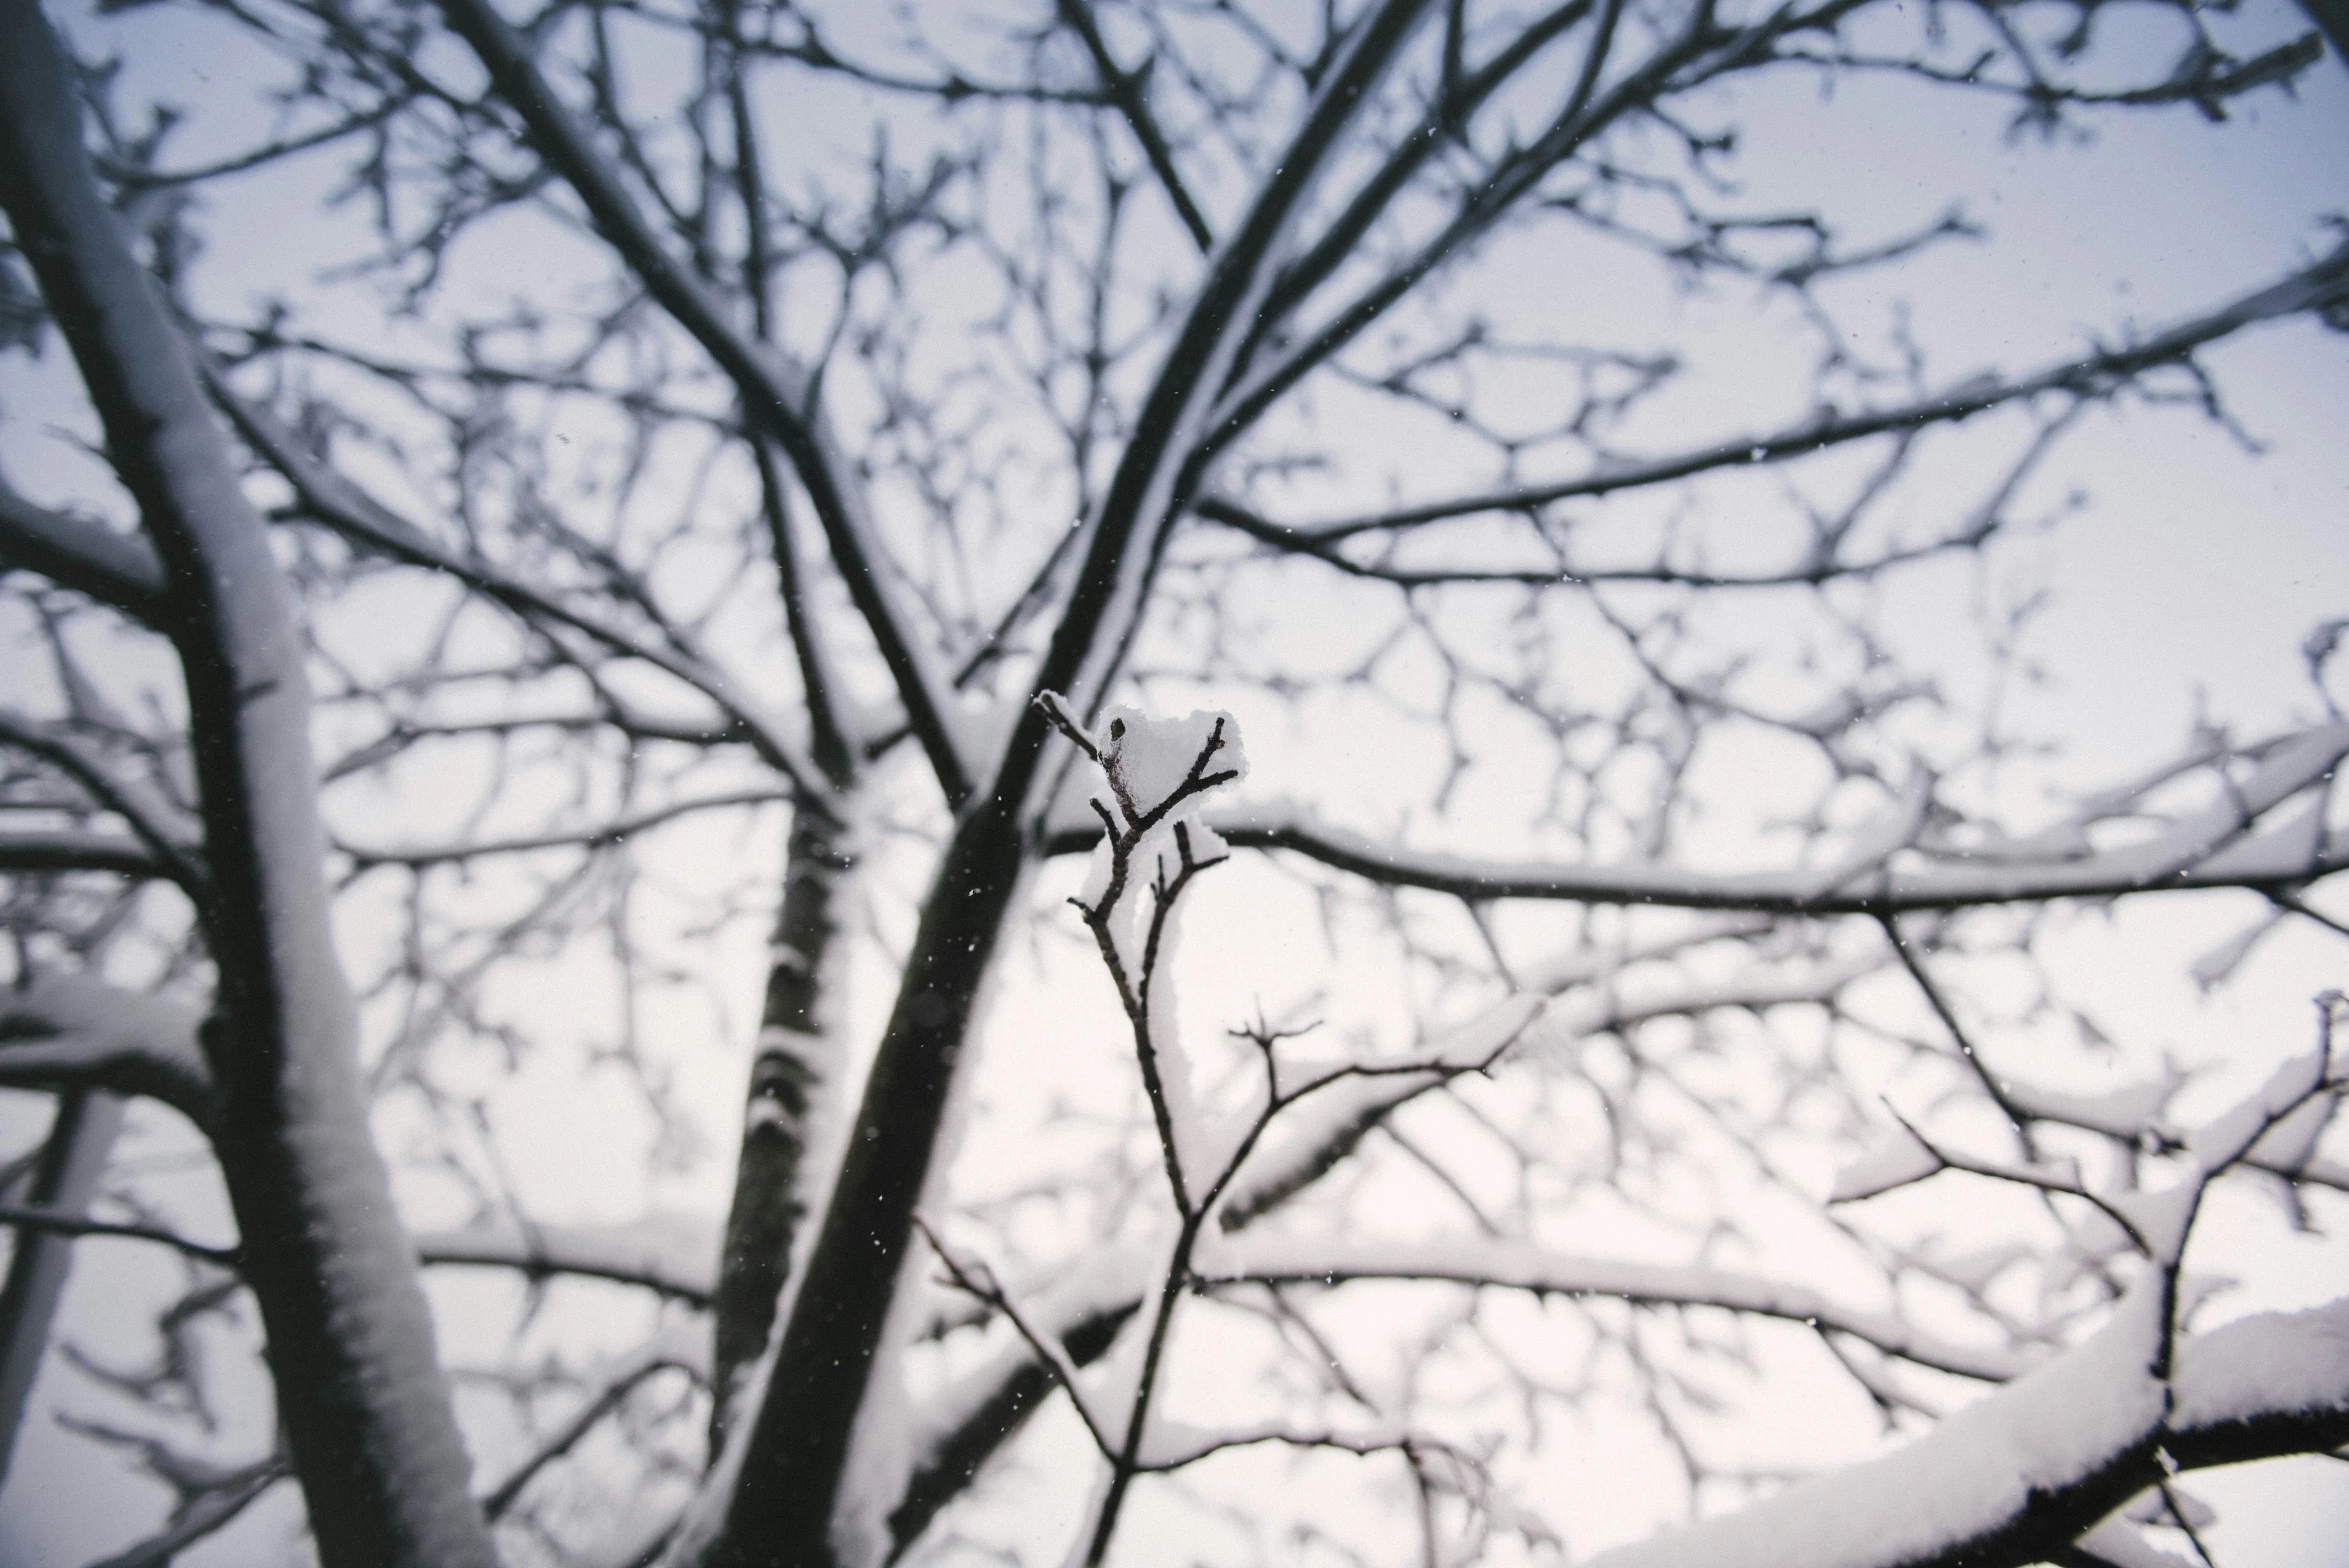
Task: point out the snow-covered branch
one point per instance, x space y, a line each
777 393
112 568
2227 844
72 1030
369 1426
2322 286
1322 1132
1516 1265
329 497
672 1255
2023 1472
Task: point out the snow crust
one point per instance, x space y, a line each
1148 760
2120 1111
2161 1219
2289 1143
1322 1128
1153 755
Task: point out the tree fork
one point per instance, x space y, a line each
787 1486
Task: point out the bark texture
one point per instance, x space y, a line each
787 1081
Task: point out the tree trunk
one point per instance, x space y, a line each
796 1450
360 1393
797 1063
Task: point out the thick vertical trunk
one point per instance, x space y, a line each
787 1487
788 1482
360 1394
796 1066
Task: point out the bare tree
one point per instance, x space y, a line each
562 496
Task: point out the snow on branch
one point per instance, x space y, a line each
1519 1265
2222 845
115 569
776 392
2322 286
326 495
1322 1132
2134 1114
69 1030
2275 1128
672 1255
2023 1472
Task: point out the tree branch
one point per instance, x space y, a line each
367 1417
111 568
775 393
72 1030
154 821
327 496
2025 1471
2319 287
618 830
1515 1265
1126 91
66 849
62 1224
670 1255
2216 847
